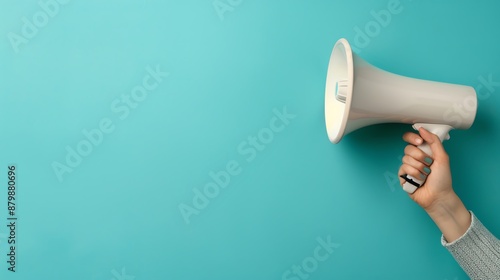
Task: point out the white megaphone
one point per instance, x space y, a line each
358 94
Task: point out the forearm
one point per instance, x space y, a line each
451 217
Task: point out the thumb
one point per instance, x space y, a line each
434 142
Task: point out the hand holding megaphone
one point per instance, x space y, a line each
438 184
412 183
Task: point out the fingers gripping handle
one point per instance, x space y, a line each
412 183
441 130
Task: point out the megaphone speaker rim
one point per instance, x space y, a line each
340 69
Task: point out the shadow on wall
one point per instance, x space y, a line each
483 124
378 150
376 142
475 145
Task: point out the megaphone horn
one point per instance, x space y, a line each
359 94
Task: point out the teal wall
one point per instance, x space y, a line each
110 150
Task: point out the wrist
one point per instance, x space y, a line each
444 204
450 215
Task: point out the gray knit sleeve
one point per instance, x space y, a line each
477 251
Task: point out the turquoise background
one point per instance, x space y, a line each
116 216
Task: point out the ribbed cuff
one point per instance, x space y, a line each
477 251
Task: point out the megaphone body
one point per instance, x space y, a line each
358 94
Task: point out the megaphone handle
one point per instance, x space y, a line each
441 130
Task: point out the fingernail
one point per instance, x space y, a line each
428 160
422 176
427 170
419 141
